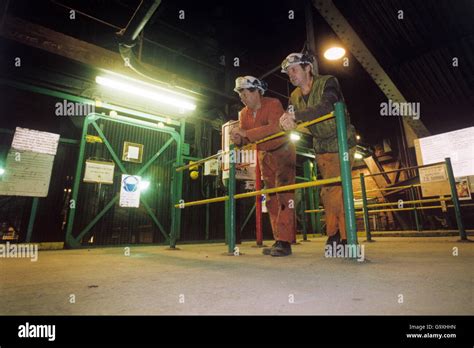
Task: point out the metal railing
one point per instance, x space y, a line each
345 179
454 199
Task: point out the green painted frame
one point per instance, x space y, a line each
75 242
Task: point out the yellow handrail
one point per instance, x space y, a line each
261 192
201 202
270 137
289 187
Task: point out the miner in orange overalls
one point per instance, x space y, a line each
277 158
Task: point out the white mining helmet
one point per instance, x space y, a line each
299 58
246 82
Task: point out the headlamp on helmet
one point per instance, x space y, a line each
295 59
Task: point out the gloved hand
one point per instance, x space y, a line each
288 121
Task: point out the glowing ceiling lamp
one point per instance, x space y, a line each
334 53
145 90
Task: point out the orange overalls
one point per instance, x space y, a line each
277 160
331 195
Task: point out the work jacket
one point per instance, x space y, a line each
325 91
265 122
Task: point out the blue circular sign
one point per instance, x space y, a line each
130 183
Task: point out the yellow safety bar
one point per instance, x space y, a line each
397 209
289 187
201 202
261 192
409 202
390 188
273 136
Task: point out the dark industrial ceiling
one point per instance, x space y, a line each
416 52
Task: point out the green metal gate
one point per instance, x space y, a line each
94 207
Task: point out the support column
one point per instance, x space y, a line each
346 176
69 240
177 189
454 198
231 224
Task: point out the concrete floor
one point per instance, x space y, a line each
153 280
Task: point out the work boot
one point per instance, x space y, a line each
267 251
281 249
335 238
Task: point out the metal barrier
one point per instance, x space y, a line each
270 137
398 209
454 199
388 188
345 179
365 211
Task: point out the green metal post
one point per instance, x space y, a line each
177 189
454 198
231 206
31 222
346 176
226 219
417 221
69 239
308 173
364 206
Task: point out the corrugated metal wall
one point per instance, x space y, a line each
124 225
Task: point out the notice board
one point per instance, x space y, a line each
26 174
457 145
29 163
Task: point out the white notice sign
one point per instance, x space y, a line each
26 174
130 191
458 145
434 181
32 140
99 172
433 174
133 152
